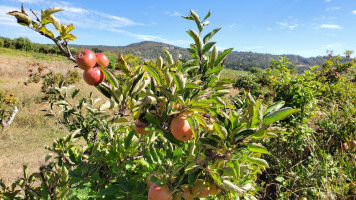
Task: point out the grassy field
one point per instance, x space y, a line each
11 53
23 143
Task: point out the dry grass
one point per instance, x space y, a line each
23 143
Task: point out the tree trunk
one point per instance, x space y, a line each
6 123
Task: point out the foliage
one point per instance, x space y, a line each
113 161
38 72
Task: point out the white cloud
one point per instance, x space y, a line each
328 0
354 12
289 26
332 8
331 26
7 19
269 29
174 13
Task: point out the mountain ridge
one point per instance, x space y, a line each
240 60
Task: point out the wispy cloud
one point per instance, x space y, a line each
334 45
174 13
328 1
7 19
288 26
353 12
331 26
332 8
252 48
269 29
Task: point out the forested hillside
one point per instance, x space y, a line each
151 50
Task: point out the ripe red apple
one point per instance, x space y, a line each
86 59
94 76
159 193
102 60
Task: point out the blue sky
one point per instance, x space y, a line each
302 27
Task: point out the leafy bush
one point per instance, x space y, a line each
114 161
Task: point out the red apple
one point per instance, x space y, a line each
102 60
86 59
159 193
94 76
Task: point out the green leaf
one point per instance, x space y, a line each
197 39
179 81
46 31
128 139
258 161
153 119
207 47
221 130
108 105
228 186
209 143
22 18
192 85
110 77
50 11
207 15
208 36
257 148
155 72
274 107
169 57
121 63
55 22
75 92
278 115
197 20
220 59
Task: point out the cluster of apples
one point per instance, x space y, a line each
89 62
200 189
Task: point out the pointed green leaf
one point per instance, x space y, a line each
50 11
197 20
128 139
154 71
210 35
221 130
207 47
22 18
257 148
258 161
220 59
121 63
110 77
179 81
169 57
207 15
196 38
274 107
278 115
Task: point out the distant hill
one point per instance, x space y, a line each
235 60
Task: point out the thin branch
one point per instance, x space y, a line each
35 14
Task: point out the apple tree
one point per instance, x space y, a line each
169 130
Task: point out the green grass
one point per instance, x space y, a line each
40 56
232 74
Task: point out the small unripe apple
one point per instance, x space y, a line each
94 76
86 59
102 60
